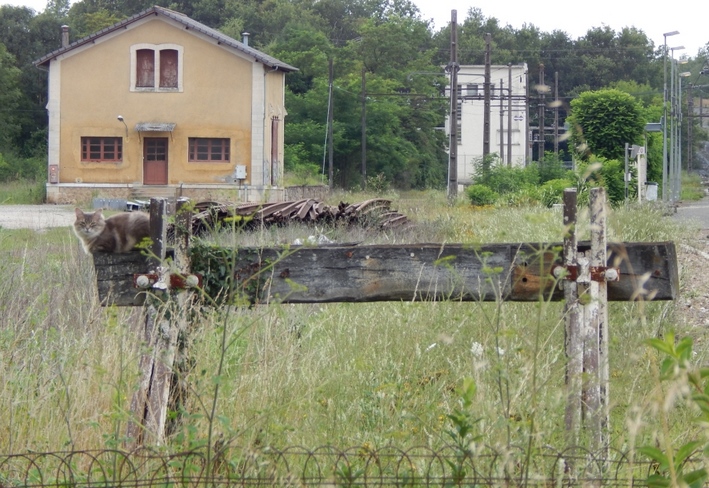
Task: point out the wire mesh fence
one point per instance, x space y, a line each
326 466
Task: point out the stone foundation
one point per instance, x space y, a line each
83 194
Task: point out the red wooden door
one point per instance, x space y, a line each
155 161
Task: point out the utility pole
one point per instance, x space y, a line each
542 92
330 119
509 115
364 127
690 129
453 120
556 115
502 121
486 114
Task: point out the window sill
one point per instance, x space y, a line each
144 89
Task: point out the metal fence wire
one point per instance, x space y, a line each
325 466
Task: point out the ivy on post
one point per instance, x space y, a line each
181 312
149 403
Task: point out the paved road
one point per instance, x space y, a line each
36 216
695 211
45 216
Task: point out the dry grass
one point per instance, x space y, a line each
342 374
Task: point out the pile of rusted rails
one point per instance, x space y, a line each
376 212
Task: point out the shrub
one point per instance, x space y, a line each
552 192
480 195
551 169
13 168
503 179
611 175
378 184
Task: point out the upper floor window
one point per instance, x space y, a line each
468 90
202 149
156 67
102 149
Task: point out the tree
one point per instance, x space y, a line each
10 95
605 120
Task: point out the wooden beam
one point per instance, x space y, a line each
423 272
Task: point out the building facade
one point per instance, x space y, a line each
162 102
509 125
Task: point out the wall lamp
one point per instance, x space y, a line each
120 118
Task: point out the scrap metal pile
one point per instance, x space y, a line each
248 216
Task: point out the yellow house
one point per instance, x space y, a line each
161 105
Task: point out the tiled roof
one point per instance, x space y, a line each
182 19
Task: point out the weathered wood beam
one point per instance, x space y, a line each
424 272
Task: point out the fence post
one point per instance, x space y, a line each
165 324
596 320
182 314
573 314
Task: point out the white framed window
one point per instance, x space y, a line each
156 68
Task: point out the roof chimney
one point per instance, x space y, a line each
65 35
245 38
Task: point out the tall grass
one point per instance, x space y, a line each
692 187
22 192
343 374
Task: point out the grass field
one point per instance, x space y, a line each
340 374
22 192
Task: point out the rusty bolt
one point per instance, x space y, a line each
142 281
611 274
192 281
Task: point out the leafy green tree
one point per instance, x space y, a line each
402 57
87 23
10 95
604 121
28 36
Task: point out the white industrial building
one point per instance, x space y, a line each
509 123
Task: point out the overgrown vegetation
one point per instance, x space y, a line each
386 374
544 182
692 187
538 183
22 192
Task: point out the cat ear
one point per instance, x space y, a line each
98 214
79 213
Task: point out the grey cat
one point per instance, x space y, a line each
118 233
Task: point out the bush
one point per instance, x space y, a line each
502 179
552 191
378 184
14 168
611 175
551 169
480 195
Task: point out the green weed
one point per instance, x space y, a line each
374 374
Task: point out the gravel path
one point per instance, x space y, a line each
36 216
46 216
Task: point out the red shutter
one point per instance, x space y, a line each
168 68
145 68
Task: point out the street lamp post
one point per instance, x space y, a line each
684 74
673 172
664 118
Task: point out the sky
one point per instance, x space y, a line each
574 18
